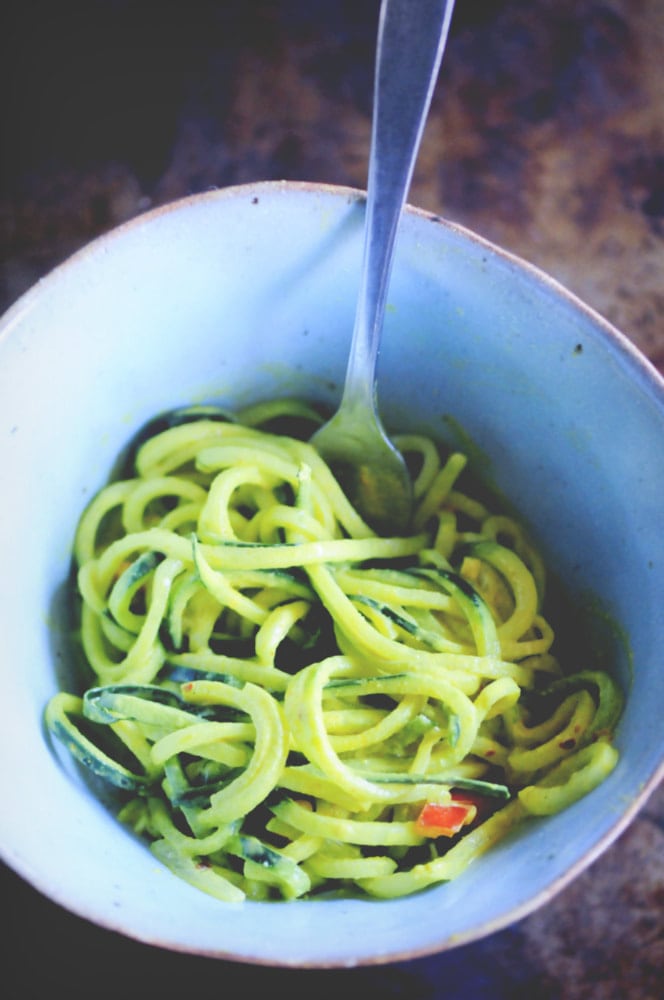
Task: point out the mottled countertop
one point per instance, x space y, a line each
546 136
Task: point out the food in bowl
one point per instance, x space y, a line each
290 706
211 302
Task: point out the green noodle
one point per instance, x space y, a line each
278 694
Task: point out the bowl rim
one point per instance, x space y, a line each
619 346
626 348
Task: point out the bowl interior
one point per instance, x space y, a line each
246 294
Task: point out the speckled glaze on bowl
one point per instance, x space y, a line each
246 293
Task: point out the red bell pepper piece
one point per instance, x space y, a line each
445 820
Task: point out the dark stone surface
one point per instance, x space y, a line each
546 135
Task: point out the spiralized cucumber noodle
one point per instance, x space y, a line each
287 705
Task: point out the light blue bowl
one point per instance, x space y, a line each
248 293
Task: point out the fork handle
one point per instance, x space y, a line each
411 39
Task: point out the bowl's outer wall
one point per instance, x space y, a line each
247 294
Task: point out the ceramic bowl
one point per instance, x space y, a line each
248 293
